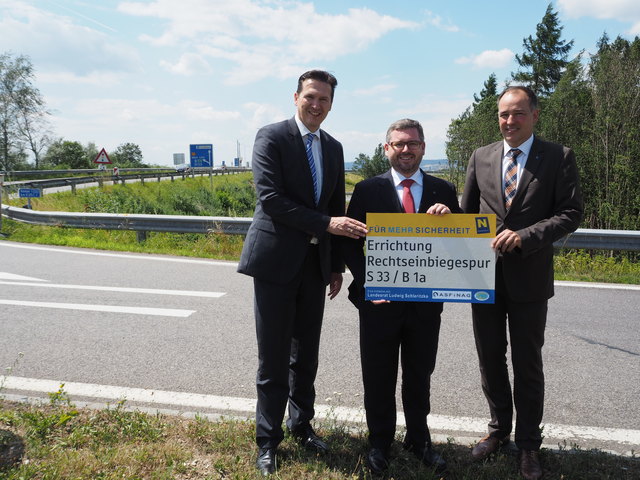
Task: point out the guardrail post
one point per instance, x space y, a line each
141 180
73 188
141 236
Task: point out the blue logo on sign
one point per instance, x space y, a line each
482 296
482 225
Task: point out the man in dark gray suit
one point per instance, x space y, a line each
532 186
393 330
298 171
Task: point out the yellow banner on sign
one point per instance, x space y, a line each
423 225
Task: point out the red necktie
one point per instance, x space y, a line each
407 198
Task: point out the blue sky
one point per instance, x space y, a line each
168 73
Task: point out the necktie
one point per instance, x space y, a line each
511 177
312 166
407 198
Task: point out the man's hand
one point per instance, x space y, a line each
335 284
506 241
438 209
347 227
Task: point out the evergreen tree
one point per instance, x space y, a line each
545 56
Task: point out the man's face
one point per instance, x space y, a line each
516 118
313 103
405 160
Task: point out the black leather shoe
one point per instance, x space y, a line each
432 459
309 440
266 462
377 461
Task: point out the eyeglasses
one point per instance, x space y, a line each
413 145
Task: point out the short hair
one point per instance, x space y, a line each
321 76
405 124
531 95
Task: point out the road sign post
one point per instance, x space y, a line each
201 155
29 193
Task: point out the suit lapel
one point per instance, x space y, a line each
389 187
495 166
531 167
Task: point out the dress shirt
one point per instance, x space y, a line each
521 160
416 187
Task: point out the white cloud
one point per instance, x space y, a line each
56 44
436 21
625 11
488 59
189 64
263 39
374 91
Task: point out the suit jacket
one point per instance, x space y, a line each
379 195
547 206
286 216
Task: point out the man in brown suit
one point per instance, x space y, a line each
532 187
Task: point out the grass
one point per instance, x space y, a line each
64 442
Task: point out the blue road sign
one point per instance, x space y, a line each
29 192
201 155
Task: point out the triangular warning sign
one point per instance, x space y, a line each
102 157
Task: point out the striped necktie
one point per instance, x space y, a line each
312 166
511 177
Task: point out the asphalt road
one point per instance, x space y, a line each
189 339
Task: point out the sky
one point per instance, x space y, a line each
165 74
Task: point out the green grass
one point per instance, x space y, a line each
232 195
63 442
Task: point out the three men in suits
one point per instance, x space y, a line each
532 186
298 170
392 329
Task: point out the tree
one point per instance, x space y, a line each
545 57
478 125
21 111
127 155
64 154
368 167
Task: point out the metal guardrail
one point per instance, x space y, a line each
582 238
121 178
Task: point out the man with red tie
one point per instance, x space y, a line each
397 330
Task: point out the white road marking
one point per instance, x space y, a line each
247 405
163 312
13 276
122 255
607 286
150 291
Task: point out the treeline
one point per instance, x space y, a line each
25 128
590 103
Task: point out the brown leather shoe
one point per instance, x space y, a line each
530 465
487 446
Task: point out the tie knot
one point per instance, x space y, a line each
407 182
514 152
310 137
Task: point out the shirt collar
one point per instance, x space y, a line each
525 148
304 131
397 178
